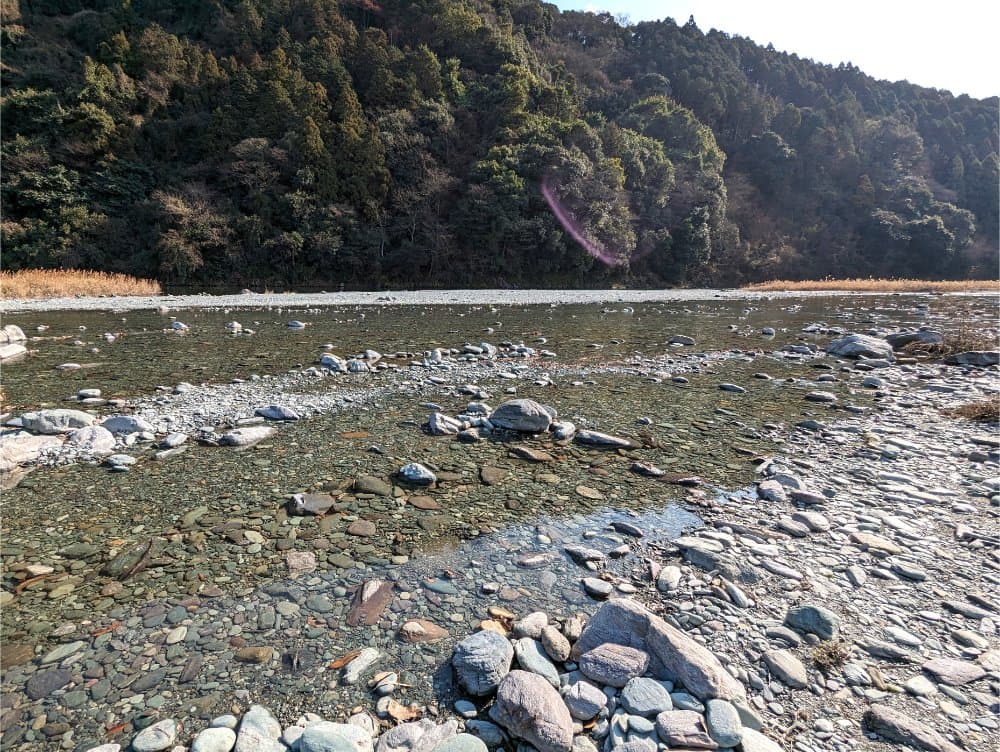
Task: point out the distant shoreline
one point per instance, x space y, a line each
420 297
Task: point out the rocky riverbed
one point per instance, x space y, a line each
817 522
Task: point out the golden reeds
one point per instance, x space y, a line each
876 285
61 283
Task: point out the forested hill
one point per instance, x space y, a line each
438 143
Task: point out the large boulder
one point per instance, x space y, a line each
860 346
11 352
673 655
980 358
530 708
96 440
21 448
11 333
246 436
899 340
523 415
481 661
55 421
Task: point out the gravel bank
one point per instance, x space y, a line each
403 297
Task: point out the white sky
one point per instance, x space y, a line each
953 45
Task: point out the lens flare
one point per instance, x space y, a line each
573 228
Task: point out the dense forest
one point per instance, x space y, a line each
432 143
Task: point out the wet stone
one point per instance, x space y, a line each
44 683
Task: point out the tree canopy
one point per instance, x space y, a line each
402 144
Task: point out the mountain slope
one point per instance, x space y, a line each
456 143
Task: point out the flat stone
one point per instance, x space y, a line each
613 664
646 697
371 484
684 729
421 630
62 651
324 736
362 528
254 654
423 502
787 668
814 619
899 727
954 672
920 686
872 542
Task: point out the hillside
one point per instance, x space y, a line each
465 142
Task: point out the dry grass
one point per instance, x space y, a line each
963 340
830 654
60 283
876 285
983 411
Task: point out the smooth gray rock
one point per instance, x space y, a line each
258 731
723 721
754 741
626 622
492 735
127 424
55 421
524 415
325 736
584 700
597 588
646 697
276 412
416 736
481 661
529 708
159 736
214 740
460 743
614 665
814 619
530 625
246 436
531 657
898 727
860 346
596 438
979 358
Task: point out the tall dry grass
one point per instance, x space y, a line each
876 285
61 283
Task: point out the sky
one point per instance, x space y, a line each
952 45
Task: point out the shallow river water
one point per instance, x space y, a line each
220 566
